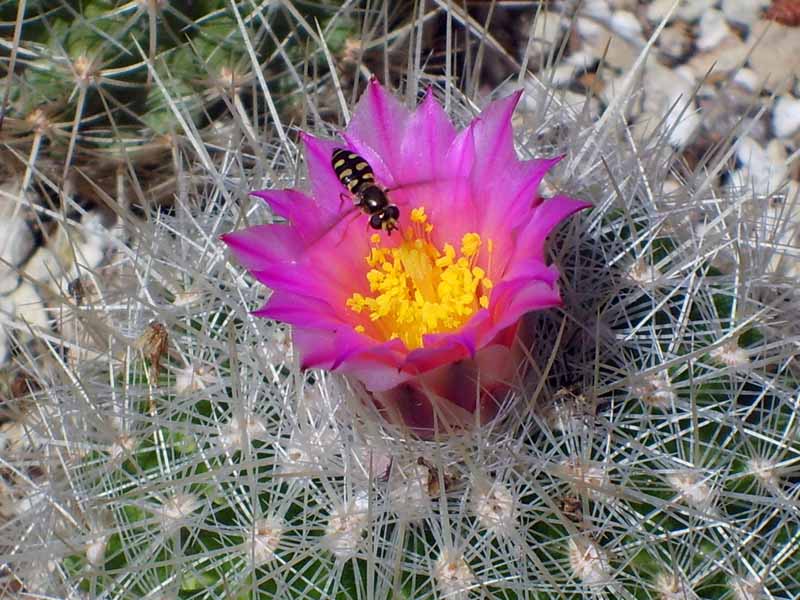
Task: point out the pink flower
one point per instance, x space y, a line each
425 318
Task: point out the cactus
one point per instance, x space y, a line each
166 443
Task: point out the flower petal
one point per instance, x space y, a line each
427 137
297 208
535 289
376 365
460 156
295 309
326 188
508 202
531 239
494 138
261 246
378 124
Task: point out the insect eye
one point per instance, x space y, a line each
376 222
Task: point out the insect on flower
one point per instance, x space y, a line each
428 326
357 176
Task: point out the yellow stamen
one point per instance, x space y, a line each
418 289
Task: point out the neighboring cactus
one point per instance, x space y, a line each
167 445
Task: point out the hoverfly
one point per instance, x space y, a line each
357 176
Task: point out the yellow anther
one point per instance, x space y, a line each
418 215
375 239
470 244
418 289
359 329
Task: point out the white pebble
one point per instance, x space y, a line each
30 307
5 343
713 29
686 10
16 242
670 95
747 78
625 24
659 9
786 116
694 9
547 27
767 173
598 9
43 266
743 12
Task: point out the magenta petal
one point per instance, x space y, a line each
377 127
376 365
296 208
531 269
259 247
527 296
533 287
448 204
300 310
440 349
325 185
428 135
494 138
531 239
507 202
460 156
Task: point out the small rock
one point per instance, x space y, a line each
625 24
659 9
687 10
674 42
547 28
726 56
92 249
6 315
598 9
16 242
30 307
567 70
743 12
775 54
43 266
713 29
590 29
670 97
748 79
632 102
691 10
616 52
763 170
786 116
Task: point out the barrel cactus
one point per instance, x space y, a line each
168 444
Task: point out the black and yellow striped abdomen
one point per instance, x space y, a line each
353 171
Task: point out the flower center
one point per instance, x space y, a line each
418 289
